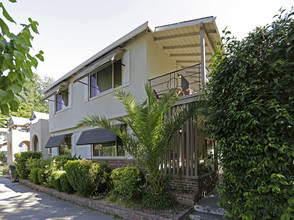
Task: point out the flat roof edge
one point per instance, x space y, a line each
185 23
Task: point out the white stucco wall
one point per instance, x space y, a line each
40 129
15 137
105 104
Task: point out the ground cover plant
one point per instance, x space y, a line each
250 112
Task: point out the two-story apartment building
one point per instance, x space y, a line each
174 56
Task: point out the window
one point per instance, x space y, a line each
49 151
62 100
65 146
111 149
106 79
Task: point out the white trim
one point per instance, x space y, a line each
185 24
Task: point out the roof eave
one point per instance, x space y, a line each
115 44
186 23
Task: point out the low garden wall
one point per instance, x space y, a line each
107 208
191 190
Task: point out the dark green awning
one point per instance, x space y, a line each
96 136
55 141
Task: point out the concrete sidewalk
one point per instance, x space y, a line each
20 202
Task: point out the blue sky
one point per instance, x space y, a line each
71 31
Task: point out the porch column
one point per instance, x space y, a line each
202 43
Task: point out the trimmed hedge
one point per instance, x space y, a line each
65 185
88 178
20 162
34 175
41 176
55 179
127 182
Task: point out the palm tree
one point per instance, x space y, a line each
151 130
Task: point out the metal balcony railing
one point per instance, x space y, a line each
185 81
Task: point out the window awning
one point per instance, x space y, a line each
55 141
55 89
96 136
98 64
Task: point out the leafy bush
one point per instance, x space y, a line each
127 182
34 175
65 185
4 170
160 201
41 176
55 179
250 113
20 162
36 163
56 163
88 178
3 157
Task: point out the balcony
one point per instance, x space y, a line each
184 82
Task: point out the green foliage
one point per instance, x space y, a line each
127 182
250 112
34 175
65 185
20 162
16 62
55 179
4 170
36 163
88 178
41 176
151 131
3 157
55 164
162 201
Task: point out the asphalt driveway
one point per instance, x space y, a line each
20 202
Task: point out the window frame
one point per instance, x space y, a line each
66 91
116 151
112 64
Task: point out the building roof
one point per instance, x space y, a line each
39 115
18 121
181 41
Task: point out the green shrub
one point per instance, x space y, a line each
78 175
99 175
55 179
34 175
250 112
4 170
3 157
20 162
36 162
55 164
88 178
163 201
42 176
65 185
127 182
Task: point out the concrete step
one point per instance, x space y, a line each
205 216
209 209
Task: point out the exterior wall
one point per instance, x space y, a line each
104 104
40 129
158 62
14 138
64 121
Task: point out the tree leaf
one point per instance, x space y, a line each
5 13
4 109
4 28
14 105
